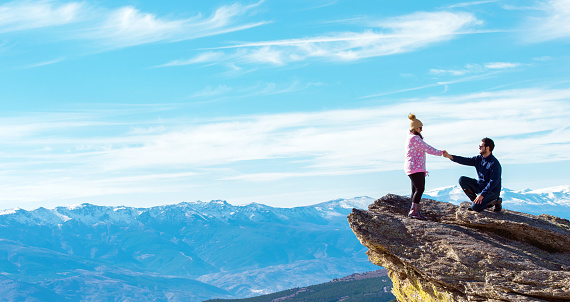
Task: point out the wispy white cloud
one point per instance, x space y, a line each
277 176
471 3
365 140
206 57
444 84
25 15
543 58
46 159
271 88
257 89
319 4
475 68
501 65
55 185
50 62
469 68
551 23
122 27
384 37
212 91
127 26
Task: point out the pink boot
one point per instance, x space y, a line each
415 212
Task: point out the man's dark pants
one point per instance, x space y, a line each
470 184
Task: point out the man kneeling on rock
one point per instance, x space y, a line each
484 193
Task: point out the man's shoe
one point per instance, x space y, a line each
498 204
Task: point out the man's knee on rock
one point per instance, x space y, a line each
478 207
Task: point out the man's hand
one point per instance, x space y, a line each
445 154
478 199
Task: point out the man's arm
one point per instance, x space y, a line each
468 161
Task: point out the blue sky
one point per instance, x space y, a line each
284 103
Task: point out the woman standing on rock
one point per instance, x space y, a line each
415 165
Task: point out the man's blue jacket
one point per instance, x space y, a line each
488 169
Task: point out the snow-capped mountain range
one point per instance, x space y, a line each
195 251
184 252
554 201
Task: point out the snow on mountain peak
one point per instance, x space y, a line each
553 200
361 202
531 201
9 211
63 217
565 189
75 206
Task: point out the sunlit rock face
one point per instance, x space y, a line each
461 255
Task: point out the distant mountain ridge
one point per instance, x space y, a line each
554 200
184 252
195 251
218 209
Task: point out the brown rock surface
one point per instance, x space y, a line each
460 255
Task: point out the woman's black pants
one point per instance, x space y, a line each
418 186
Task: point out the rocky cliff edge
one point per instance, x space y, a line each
460 255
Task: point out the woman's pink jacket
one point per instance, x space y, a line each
416 150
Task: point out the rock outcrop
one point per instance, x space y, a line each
460 255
